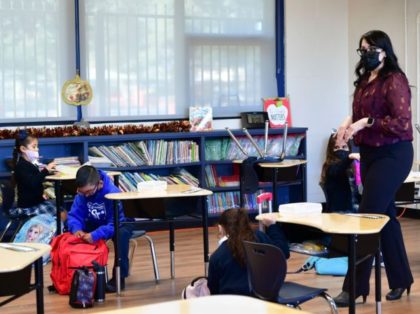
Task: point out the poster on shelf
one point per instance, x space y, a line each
278 110
201 118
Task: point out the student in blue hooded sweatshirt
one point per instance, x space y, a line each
91 215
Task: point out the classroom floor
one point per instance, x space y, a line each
141 287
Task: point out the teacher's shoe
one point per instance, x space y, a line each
395 294
342 300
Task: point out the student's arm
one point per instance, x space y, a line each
76 216
213 277
274 235
106 231
33 178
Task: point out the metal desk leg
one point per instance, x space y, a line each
275 177
205 234
117 258
172 248
352 272
58 203
378 280
39 283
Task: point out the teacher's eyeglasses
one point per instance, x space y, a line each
363 51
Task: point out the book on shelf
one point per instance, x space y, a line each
229 181
129 180
201 118
100 162
278 110
153 152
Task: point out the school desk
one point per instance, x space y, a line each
15 271
172 191
351 225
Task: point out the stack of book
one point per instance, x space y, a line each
72 161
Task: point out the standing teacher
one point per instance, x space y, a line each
381 126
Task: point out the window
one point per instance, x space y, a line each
152 59
34 59
145 59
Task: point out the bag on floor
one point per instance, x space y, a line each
197 288
82 289
38 229
69 253
336 266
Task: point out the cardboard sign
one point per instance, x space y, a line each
278 110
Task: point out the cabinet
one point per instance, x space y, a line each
213 151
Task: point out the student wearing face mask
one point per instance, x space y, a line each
91 216
28 178
335 177
227 266
381 127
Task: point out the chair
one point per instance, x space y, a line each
133 246
8 195
267 270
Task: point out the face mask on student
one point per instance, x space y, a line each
342 154
370 60
32 155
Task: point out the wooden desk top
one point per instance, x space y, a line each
16 260
67 176
173 190
334 222
233 304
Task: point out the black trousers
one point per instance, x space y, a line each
383 170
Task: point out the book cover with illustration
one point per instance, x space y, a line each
278 110
201 118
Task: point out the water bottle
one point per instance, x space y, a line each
100 282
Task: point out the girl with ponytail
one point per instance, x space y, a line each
227 267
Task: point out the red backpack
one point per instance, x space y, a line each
69 253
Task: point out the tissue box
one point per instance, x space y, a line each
152 186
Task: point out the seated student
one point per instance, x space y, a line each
29 179
340 195
227 267
91 215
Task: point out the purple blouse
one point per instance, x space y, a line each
387 100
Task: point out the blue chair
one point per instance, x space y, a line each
14 222
267 270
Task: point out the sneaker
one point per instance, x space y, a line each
111 286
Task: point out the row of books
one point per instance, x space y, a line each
129 180
141 153
219 202
226 149
212 178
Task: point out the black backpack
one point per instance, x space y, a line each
82 288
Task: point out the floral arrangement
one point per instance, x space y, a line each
175 126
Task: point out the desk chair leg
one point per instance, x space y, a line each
132 249
39 283
378 281
5 230
331 302
153 252
172 248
